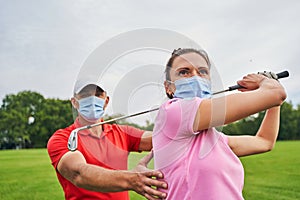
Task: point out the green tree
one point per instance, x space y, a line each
288 122
17 127
15 111
298 122
246 126
54 114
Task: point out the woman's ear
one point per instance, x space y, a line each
169 88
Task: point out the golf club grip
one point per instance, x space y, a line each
283 74
279 75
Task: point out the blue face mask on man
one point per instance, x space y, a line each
194 86
91 108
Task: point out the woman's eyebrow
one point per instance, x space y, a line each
189 67
182 67
201 67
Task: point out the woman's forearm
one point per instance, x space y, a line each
270 126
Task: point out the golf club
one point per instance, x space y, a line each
73 138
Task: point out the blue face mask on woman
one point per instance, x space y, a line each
194 86
91 108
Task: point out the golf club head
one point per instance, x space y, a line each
73 140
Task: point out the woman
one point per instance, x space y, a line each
199 162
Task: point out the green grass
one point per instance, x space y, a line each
28 174
274 175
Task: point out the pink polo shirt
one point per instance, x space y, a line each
197 165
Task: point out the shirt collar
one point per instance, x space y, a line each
106 128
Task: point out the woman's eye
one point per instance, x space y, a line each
203 71
183 72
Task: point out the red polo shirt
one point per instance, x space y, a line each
109 151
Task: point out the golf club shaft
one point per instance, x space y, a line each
72 142
279 75
122 117
73 138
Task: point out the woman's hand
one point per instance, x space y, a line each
251 82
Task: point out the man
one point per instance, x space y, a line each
98 168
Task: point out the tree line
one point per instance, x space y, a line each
27 120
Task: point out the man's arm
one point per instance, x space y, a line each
73 167
146 141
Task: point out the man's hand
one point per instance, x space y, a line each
147 181
142 165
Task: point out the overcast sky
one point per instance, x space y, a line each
43 44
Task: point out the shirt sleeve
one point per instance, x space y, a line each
173 130
178 117
134 136
57 146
